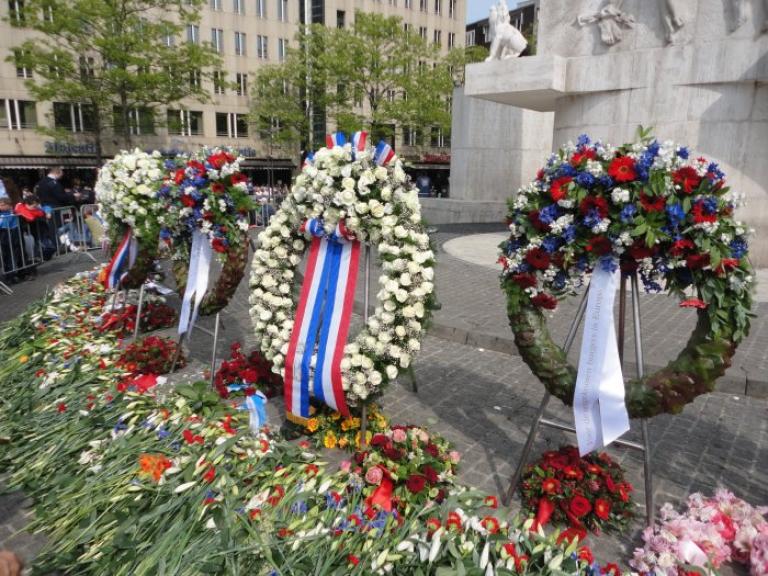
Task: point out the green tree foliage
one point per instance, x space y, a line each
114 57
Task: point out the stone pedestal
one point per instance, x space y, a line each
708 88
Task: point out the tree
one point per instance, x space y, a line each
120 59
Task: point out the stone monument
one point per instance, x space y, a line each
694 70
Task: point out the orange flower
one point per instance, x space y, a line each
154 465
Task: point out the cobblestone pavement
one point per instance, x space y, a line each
476 391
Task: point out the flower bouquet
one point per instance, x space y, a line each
151 355
588 493
211 196
247 374
330 429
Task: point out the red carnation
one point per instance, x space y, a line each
491 524
432 450
524 280
600 245
210 474
602 509
679 247
622 169
585 554
239 177
429 473
179 176
726 265
197 167
415 483
550 486
491 502
594 202
219 245
583 154
611 569
700 216
652 204
559 190
218 160
697 261
352 559
544 300
570 534
188 201
579 506
61 407
624 490
218 188
537 258
688 178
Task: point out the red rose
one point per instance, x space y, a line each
594 202
61 407
524 280
537 258
239 177
210 474
622 169
697 261
188 201
218 188
579 506
536 222
218 245
544 300
602 509
559 190
179 176
679 247
415 483
600 245
429 473
379 440
687 177
652 204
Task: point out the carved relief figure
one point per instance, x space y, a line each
506 40
740 14
672 20
610 20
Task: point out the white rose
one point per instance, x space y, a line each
391 372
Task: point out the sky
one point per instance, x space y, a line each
479 9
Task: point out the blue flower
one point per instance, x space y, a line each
569 234
585 180
675 214
628 213
549 214
583 140
551 243
162 433
120 426
738 247
592 218
710 205
682 152
582 263
605 181
714 172
566 170
608 264
299 507
558 283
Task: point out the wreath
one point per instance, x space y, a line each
377 204
127 194
651 209
207 192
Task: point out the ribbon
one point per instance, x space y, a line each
197 280
600 413
383 154
121 262
323 316
382 496
256 404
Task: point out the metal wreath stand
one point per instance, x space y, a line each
540 420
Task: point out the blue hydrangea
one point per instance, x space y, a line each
628 213
715 171
582 263
550 243
608 264
162 433
299 507
738 247
605 181
549 214
675 214
566 169
558 283
583 140
683 153
585 180
569 234
710 205
592 218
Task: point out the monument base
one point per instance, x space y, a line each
448 211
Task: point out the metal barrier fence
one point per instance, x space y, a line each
21 248
265 209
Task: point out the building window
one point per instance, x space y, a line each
140 121
193 34
240 43
452 8
423 32
411 136
74 117
216 5
408 3
242 84
423 5
195 79
217 39
437 37
87 67
438 6
261 8
185 122
470 39
17 114
391 95
282 10
238 7
21 70
169 40
451 40
282 49
262 43
341 18
231 125
219 82
48 13
16 10
438 139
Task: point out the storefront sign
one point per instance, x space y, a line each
65 148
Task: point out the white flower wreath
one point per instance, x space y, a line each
379 206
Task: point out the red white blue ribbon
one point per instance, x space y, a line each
121 262
322 321
383 154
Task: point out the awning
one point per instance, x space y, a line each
423 166
34 162
266 163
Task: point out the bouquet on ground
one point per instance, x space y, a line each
151 355
405 468
588 493
711 532
246 374
330 429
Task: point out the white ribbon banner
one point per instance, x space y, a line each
200 255
599 411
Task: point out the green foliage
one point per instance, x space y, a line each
114 56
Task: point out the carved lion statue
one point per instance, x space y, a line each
506 40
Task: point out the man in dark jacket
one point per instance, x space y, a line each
51 192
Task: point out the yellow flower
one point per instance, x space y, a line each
368 436
343 442
312 424
24 359
330 440
335 416
381 423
